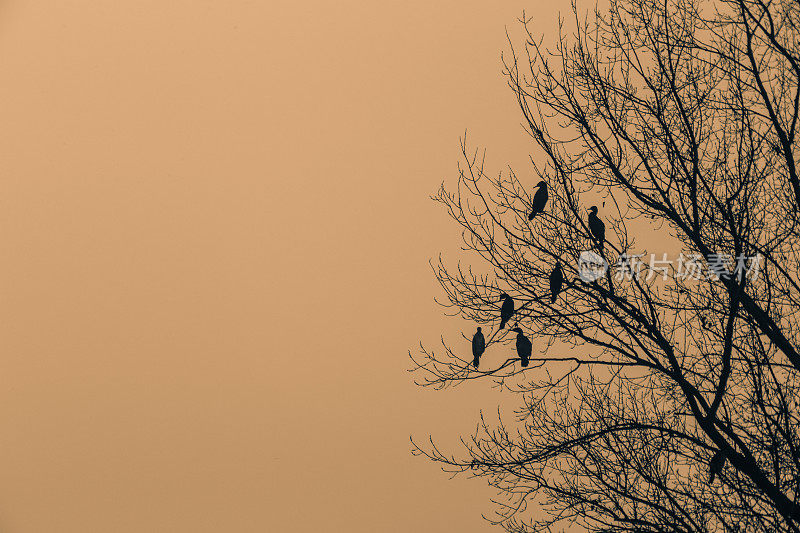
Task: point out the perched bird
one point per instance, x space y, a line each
596 227
478 347
539 200
524 347
556 282
506 310
715 465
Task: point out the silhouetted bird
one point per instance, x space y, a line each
524 347
539 200
596 227
556 282
715 465
506 310
478 347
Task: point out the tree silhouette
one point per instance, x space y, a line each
657 402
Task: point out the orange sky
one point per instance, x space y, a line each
215 229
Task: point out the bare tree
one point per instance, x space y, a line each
649 404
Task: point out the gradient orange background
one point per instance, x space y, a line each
215 228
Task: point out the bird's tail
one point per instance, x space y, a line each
476 361
711 478
502 323
532 215
553 297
